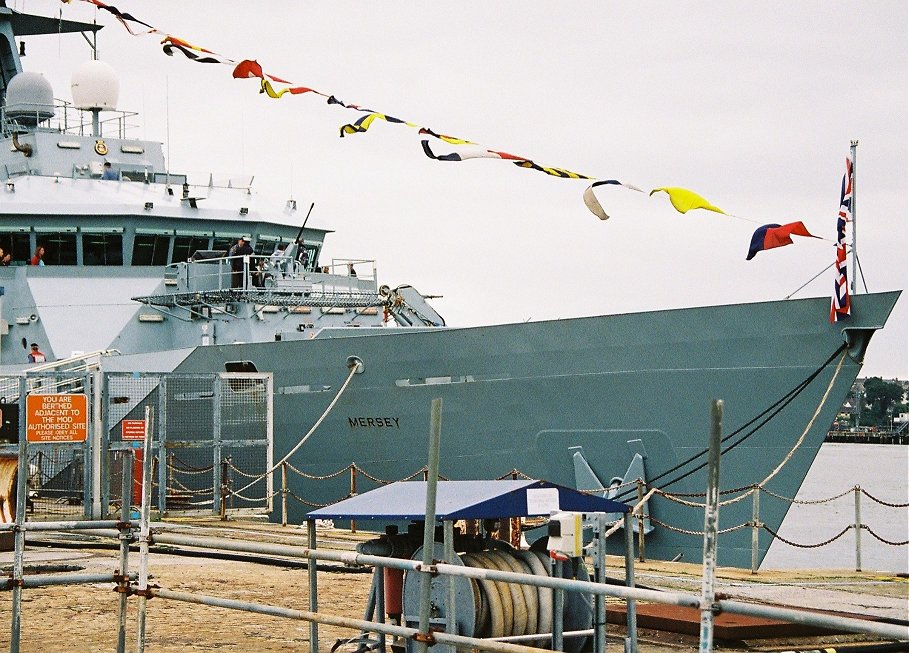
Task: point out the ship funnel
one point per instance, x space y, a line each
29 99
95 86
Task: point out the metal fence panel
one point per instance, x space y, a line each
58 473
203 424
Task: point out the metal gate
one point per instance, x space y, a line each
212 442
212 436
58 471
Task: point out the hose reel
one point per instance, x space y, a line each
489 608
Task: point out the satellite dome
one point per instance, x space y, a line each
95 86
29 98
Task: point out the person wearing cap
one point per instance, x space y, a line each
36 356
236 254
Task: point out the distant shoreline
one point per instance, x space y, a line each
868 437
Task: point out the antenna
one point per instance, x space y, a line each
854 147
167 129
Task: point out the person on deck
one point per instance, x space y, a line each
38 258
4 258
36 355
236 254
109 173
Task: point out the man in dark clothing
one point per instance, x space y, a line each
236 254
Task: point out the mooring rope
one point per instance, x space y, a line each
798 442
354 368
770 412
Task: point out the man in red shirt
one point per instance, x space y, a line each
36 356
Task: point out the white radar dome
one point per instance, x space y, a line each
95 86
29 98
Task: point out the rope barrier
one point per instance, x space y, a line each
808 502
808 546
254 499
187 468
314 477
240 472
884 503
694 504
881 539
684 531
366 474
311 504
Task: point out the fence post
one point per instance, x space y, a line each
161 431
93 381
429 526
558 608
640 483
858 527
284 493
353 493
755 525
219 474
514 527
126 495
144 530
19 537
224 488
312 568
631 612
711 526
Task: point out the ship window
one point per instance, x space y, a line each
266 247
59 249
184 246
150 249
223 243
102 249
17 245
312 256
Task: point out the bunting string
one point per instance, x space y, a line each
767 236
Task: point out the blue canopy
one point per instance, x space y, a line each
406 500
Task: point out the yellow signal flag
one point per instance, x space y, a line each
684 200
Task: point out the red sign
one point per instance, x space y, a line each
133 429
56 418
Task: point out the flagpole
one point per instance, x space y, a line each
854 145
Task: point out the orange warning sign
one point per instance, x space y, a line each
56 418
133 429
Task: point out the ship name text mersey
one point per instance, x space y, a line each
373 422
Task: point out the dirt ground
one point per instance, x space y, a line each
84 618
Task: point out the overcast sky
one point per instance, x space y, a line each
752 105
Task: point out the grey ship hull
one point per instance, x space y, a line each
521 395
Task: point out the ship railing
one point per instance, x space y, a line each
65 374
63 117
213 271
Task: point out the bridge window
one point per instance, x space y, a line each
266 245
15 242
59 248
150 249
184 246
102 247
223 243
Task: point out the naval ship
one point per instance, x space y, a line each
136 261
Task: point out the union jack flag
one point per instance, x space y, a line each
839 305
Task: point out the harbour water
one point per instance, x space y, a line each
881 470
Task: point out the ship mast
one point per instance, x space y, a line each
854 146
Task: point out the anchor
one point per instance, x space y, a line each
586 480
